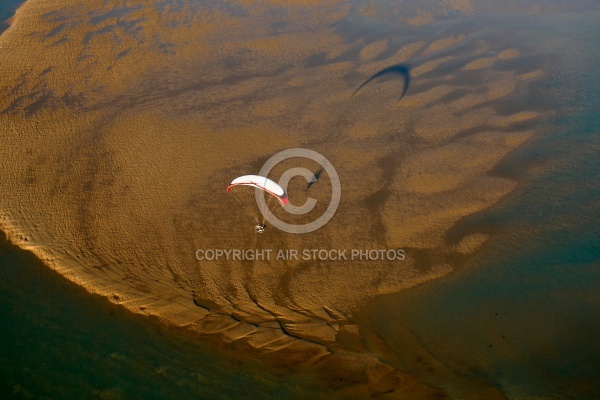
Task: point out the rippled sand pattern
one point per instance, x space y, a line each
122 123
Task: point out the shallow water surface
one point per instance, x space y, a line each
523 314
7 10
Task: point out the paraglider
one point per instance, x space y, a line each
247 187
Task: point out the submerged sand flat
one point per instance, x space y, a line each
123 122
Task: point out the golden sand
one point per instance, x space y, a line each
372 50
442 44
123 130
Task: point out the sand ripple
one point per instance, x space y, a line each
125 123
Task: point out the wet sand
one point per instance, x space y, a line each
97 349
130 120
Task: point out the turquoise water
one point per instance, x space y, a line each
523 315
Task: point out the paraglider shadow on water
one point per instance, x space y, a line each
399 69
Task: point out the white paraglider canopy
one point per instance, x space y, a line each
263 183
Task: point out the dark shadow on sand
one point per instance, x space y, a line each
399 69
